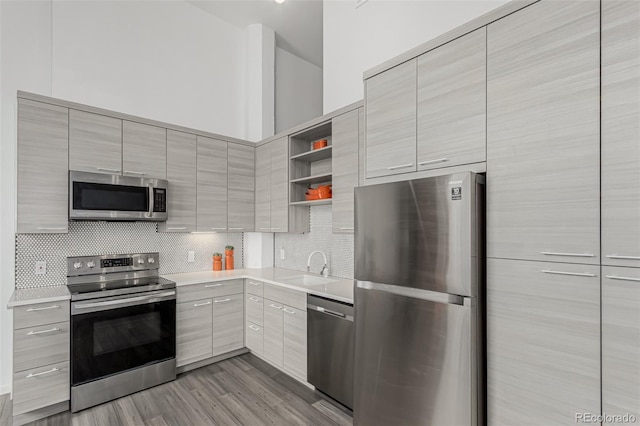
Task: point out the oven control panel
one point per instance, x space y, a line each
92 265
112 263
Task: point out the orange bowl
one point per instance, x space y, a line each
319 144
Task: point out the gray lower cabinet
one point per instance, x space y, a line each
295 341
194 322
263 189
211 185
38 388
95 143
451 116
621 132
228 323
345 140
29 345
543 133
543 342
390 99
241 188
254 338
144 150
181 174
273 332
254 308
43 164
280 185
620 337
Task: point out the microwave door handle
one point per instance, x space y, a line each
151 200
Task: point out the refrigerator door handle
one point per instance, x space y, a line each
416 293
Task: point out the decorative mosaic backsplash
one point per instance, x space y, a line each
95 238
297 247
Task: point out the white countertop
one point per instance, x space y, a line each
31 296
338 289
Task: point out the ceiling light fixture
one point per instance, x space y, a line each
279 1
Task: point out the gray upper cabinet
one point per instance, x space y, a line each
543 342
345 131
241 177
543 143
211 185
280 185
621 132
263 188
452 103
181 174
95 143
391 121
43 164
144 150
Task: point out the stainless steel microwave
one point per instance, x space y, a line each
96 196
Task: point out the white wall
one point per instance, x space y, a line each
261 46
164 60
298 90
358 39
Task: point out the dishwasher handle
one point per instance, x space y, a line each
326 311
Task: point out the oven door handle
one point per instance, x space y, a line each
81 308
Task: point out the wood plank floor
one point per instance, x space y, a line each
239 391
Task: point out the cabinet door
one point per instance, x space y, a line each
452 103
280 185
344 164
211 185
181 174
263 188
242 170
43 164
95 143
273 332
228 323
543 145
194 322
621 132
255 338
543 342
295 341
620 337
390 108
144 150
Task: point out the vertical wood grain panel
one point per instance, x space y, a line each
95 143
263 188
144 150
345 130
273 332
295 342
211 185
228 323
241 169
194 322
32 393
280 185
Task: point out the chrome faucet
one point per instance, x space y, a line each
325 269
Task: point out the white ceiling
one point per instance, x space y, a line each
297 23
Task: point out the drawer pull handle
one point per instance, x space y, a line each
275 306
102 169
195 305
176 228
616 277
222 301
288 311
52 330
236 229
46 308
218 229
53 370
254 299
51 229
253 283
553 253
438 160
617 256
212 285
401 166
575 274
348 228
132 172
254 328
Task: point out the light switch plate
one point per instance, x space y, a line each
41 267
191 256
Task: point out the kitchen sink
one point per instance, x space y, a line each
306 280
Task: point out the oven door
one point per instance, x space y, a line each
116 334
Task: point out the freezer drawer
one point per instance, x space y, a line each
413 363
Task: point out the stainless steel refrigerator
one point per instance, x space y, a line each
419 250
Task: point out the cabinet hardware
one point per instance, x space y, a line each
222 300
212 285
553 253
52 330
218 229
196 305
102 169
616 277
50 229
53 370
347 228
254 299
439 160
253 283
131 172
275 229
46 308
401 166
275 306
575 274
616 256
254 328
288 311
175 228
236 229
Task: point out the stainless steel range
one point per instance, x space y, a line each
123 327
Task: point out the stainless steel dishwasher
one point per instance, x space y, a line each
330 337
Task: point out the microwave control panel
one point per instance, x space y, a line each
159 200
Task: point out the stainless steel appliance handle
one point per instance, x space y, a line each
124 301
553 253
416 293
151 200
616 277
326 311
574 274
46 308
53 370
51 330
617 256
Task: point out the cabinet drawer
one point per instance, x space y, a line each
228 321
40 387
193 331
210 290
254 306
43 345
255 287
294 298
40 314
254 338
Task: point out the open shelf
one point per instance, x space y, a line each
325 177
314 155
311 202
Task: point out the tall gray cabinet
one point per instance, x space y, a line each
211 181
272 187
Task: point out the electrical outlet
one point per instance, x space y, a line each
41 267
192 256
282 253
